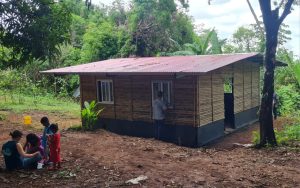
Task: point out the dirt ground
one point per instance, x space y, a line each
104 159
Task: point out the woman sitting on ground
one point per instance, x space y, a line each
14 155
33 144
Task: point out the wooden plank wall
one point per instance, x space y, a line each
122 98
246 86
133 98
255 98
205 99
218 94
141 98
211 95
185 101
238 85
211 90
87 88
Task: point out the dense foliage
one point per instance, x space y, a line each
32 29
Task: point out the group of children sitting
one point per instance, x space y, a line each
37 151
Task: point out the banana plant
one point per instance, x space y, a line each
90 115
294 66
208 43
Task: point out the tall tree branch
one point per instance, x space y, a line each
265 6
281 3
286 11
255 17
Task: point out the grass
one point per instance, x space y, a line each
289 136
20 103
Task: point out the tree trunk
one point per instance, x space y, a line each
267 134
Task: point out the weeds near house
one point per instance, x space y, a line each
289 136
2 117
90 115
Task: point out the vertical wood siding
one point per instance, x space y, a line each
255 94
205 99
238 84
218 95
246 86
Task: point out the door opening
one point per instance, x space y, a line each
228 103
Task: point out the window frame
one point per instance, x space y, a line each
111 101
170 91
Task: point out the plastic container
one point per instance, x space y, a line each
27 120
39 165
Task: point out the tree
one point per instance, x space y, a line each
99 42
33 29
272 21
157 26
245 40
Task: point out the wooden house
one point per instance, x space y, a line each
205 94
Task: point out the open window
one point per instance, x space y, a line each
105 91
166 88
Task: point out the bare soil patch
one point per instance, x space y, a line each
104 159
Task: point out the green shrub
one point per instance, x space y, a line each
289 100
90 115
2 117
255 137
287 136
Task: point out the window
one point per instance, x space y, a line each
166 88
105 91
228 85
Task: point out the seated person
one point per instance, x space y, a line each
33 144
14 155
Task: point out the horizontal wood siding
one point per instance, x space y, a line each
133 98
184 111
122 94
87 88
141 98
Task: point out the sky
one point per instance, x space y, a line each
227 15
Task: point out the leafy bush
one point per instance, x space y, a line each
255 137
289 99
2 117
90 115
287 136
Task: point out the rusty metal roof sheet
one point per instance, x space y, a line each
157 65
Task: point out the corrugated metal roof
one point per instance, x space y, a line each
154 65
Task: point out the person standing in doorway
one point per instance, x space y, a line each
159 109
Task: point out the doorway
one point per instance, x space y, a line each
228 103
